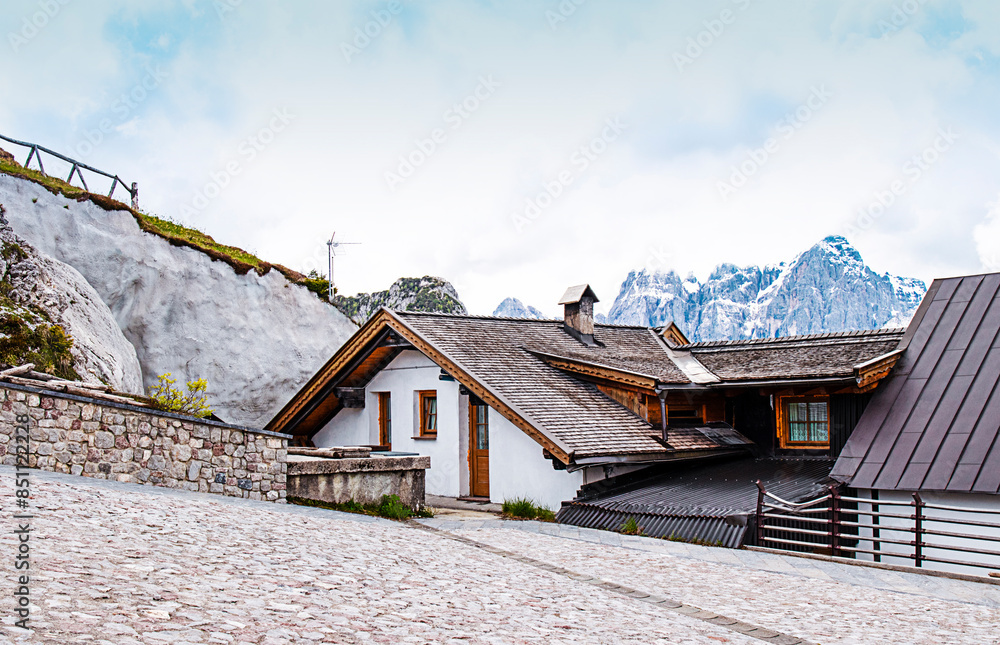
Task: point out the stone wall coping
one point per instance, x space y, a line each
135 408
301 465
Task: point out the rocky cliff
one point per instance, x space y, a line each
406 294
825 289
256 338
51 316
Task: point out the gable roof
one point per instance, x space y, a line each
935 425
575 294
498 352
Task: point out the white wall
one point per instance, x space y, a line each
974 501
517 467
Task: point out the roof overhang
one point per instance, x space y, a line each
868 374
651 458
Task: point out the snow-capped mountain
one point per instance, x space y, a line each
514 308
828 288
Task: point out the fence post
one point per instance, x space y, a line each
835 520
918 525
760 513
135 195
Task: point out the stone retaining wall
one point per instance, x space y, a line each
107 440
364 481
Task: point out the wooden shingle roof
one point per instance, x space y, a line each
818 356
496 351
935 425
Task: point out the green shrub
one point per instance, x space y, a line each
47 346
392 508
631 527
523 508
169 398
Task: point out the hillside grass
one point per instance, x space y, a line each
177 234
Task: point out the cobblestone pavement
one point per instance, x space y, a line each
124 564
817 601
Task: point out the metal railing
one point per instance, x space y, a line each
909 529
35 152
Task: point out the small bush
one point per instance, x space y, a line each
522 508
631 527
169 398
392 508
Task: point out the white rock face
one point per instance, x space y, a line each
101 354
255 339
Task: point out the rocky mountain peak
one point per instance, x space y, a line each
827 288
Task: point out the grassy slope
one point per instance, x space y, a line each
178 235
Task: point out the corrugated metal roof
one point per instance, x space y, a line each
706 504
935 424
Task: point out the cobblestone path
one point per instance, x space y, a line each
123 564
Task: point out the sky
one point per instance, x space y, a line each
517 148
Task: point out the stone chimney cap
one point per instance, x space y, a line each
575 294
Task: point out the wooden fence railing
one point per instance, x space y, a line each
911 529
77 168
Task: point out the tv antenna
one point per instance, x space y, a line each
332 245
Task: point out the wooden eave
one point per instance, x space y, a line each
353 364
593 371
357 360
868 374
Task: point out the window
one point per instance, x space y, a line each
385 420
428 413
805 422
481 425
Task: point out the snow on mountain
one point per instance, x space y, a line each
825 289
514 308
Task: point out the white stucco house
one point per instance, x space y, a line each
504 407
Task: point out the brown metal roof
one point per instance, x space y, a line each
794 357
935 425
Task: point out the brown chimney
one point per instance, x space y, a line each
578 317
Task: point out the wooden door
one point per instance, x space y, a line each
479 449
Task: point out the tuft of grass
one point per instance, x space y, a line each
522 508
631 527
391 507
